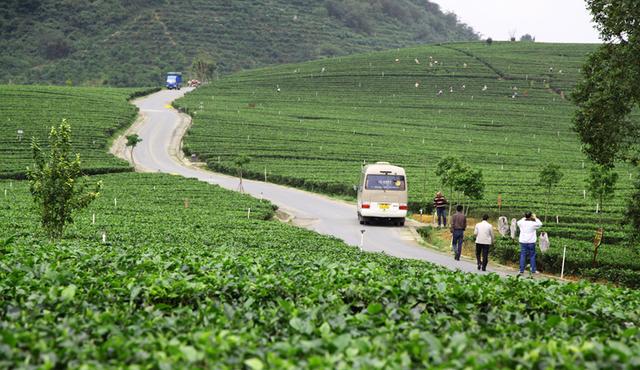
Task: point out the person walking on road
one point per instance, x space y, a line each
458 225
528 226
440 204
484 240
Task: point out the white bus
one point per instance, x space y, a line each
382 194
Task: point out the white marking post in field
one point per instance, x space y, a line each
93 219
115 202
104 236
564 255
249 213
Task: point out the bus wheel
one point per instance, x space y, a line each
361 219
400 222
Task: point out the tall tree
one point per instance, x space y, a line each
609 90
54 184
550 177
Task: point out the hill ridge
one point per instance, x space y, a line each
133 43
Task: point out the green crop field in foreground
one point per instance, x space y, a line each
204 286
503 108
95 114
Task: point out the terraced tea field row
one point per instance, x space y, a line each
197 284
95 114
313 125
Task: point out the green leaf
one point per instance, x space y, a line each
254 364
303 326
342 341
190 353
68 293
374 308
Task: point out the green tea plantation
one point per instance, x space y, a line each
166 272
503 108
95 114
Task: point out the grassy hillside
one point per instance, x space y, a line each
94 114
499 107
133 43
178 287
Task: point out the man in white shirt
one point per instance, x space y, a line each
528 226
484 239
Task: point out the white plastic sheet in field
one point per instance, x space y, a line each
544 242
503 226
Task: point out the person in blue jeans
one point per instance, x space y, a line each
458 225
528 226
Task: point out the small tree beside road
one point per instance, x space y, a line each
53 182
460 179
241 162
132 141
550 177
601 184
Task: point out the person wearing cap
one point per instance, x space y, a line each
528 226
440 204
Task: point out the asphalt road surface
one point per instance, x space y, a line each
161 129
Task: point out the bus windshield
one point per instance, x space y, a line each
385 182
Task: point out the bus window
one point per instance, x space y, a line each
385 182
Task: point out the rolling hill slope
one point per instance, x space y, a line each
133 43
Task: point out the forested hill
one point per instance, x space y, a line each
134 42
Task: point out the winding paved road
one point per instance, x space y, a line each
161 129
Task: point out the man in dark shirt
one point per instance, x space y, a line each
458 225
440 204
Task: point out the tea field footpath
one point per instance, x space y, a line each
161 129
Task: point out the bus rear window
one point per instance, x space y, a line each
385 182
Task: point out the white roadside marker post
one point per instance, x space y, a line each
564 255
362 239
